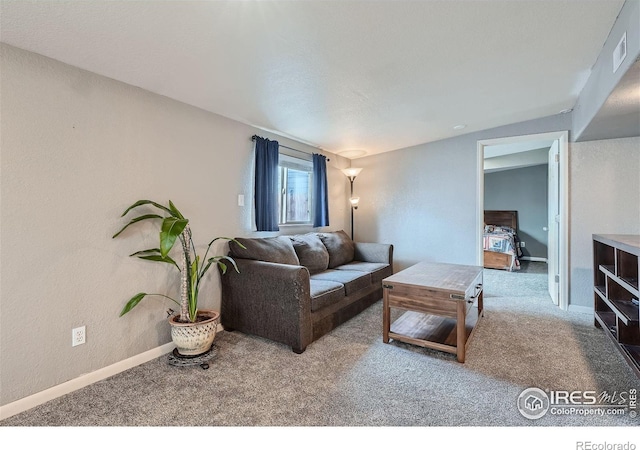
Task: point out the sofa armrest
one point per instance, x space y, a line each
374 252
270 300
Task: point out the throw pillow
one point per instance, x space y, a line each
311 252
276 249
340 247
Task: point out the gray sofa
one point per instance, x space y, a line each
294 289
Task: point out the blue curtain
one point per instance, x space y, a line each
321 208
266 185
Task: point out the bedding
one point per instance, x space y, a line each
503 239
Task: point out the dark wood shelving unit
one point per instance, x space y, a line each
615 279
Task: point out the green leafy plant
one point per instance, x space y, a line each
175 227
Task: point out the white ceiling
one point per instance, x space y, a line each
346 76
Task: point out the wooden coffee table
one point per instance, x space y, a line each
443 304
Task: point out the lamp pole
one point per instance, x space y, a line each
352 207
351 173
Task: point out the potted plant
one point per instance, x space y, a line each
192 329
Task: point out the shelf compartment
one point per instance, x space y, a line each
627 265
619 300
601 290
632 354
628 283
628 312
438 330
608 269
603 255
631 284
628 335
608 321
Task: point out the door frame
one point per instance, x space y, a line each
553 200
563 143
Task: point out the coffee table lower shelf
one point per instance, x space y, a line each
431 331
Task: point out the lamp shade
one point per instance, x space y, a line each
354 201
352 172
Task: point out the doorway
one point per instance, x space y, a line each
556 156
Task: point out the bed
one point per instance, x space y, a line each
500 240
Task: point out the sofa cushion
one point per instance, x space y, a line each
340 247
311 252
378 271
325 293
275 249
352 280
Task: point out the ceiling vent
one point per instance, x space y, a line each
620 52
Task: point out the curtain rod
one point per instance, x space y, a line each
253 138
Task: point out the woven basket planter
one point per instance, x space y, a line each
192 339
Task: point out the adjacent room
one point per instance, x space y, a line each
385 214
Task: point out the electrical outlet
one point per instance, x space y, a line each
522 244
78 336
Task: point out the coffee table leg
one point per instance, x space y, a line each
461 331
386 316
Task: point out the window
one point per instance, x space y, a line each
295 186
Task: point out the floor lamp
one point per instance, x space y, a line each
352 173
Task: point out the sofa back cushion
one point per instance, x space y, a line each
275 249
311 252
340 247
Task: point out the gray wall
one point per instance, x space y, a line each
423 199
523 190
604 199
77 149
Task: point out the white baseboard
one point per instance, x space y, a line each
581 309
11 409
533 258
39 398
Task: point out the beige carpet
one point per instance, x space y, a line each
350 378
